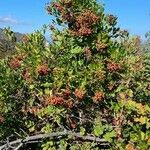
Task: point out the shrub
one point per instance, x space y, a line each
89 81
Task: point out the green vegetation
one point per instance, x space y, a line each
91 84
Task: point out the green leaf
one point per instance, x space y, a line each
47 84
142 135
130 92
81 62
31 86
32 129
109 135
98 130
48 92
76 50
82 130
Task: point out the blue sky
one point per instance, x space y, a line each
26 16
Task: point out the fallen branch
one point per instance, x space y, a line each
52 135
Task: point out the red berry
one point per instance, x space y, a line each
43 70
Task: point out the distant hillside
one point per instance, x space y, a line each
17 34
1 34
7 47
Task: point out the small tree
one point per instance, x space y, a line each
87 82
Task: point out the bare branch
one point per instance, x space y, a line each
35 138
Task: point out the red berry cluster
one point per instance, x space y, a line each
87 53
86 19
80 25
43 70
15 63
130 147
26 75
84 31
113 67
69 104
58 7
2 119
66 93
98 97
84 23
55 100
79 93
32 110
100 46
58 101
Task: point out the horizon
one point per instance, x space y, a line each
26 17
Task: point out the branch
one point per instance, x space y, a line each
19 146
52 135
5 146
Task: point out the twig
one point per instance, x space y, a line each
19 146
37 141
24 132
10 143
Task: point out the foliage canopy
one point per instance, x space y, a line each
91 79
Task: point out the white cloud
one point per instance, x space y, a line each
9 20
